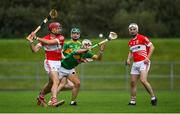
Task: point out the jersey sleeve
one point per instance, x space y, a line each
129 44
46 38
61 40
89 55
147 42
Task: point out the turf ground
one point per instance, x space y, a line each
165 50
90 101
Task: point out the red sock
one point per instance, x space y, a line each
53 99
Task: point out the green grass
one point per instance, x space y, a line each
166 50
18 60
90 101
112 76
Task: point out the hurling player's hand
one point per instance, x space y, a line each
102 47
128 62
33 35
146 61
29 38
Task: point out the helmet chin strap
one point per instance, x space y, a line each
133 35
54 33
75 38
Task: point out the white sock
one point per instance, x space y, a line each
132 102
153 98
72 102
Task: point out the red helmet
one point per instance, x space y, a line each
54 25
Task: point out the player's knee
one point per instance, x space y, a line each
133 83
77 84
71 86
144 81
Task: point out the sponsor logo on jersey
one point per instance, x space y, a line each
138 48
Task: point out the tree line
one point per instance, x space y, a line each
156 18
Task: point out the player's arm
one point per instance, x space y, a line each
48 42
44 41
151 50
80 51
100 53
34 48
128 61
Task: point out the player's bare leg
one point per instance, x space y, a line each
63 86
46 89
68 86
134 79
62 83
54 89
75 80
146 84
143 79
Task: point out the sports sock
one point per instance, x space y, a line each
153 98
133 100
72 102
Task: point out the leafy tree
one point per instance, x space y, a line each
156 18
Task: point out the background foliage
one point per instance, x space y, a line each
156 18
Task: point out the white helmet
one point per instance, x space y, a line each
133 29
134 25
86 44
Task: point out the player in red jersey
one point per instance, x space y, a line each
74 86
52 63
141 50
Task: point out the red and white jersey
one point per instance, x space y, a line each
139 46
53 52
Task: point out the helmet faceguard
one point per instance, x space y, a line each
55 28
75 33
133 29
86 44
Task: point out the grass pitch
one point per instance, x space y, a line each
90 102
165 50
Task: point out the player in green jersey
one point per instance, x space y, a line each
74 43
74 59
68 48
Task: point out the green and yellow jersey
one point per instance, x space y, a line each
71 46
73 59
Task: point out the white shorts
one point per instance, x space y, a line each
65 72
50 65
139 66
